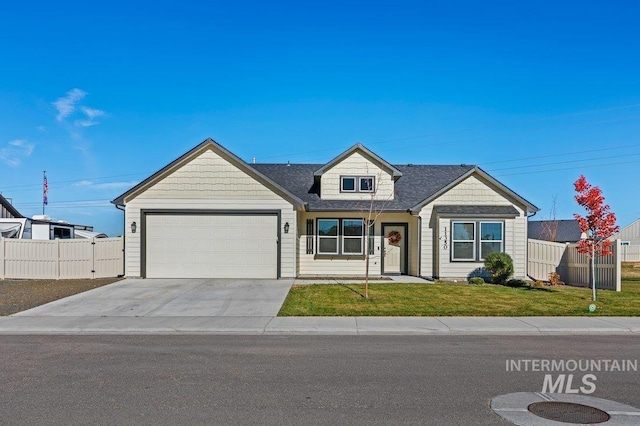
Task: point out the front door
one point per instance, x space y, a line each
394 242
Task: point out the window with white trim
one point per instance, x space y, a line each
463 244
472 241
352 236
348 184
366 183
357 184
328 236
341 236
491 238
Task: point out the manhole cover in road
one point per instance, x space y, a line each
568 412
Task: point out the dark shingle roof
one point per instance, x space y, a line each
416 184
567 231
477 211
7 205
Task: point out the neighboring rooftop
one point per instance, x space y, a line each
7 210
561 231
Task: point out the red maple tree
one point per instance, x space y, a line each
597 226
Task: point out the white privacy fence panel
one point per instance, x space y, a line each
76 258
573 267
630 253
108 257
61 259
544 258
19 258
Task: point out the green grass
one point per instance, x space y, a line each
631 272
449 299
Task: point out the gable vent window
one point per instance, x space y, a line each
357 184
348 184
366 184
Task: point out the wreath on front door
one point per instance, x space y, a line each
394 237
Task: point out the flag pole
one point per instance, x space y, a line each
45 190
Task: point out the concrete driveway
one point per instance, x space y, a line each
172 298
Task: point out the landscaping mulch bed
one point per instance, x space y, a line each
20 295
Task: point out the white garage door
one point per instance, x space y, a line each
211 246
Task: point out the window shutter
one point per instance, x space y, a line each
309 236
371 237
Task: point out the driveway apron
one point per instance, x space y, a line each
172 297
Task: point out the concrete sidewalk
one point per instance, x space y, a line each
266 325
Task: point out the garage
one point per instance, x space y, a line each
210 245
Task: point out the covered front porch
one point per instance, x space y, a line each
336 244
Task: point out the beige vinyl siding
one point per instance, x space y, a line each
312 265
208 176
512 246
472 191
209 182
287 241
356 165
630 234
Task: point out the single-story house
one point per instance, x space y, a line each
7 210
209 214
561 231
629 235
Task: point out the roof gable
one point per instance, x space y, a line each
477 171
629 232
9 208
208 144
369 155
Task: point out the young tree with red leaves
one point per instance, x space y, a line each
598 225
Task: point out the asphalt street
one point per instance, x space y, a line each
351 380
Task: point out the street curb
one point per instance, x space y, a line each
246 325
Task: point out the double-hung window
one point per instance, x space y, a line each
341 236
474 240
491 238
328 236
463 245
352 236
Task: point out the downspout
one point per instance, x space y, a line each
526 250
124 240
419 242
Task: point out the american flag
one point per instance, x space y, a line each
45 190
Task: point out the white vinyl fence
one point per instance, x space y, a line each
61 259
630 253
574 269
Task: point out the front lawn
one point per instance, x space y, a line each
449 299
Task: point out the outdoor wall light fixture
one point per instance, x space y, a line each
133 227
286 228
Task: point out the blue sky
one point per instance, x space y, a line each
101 95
